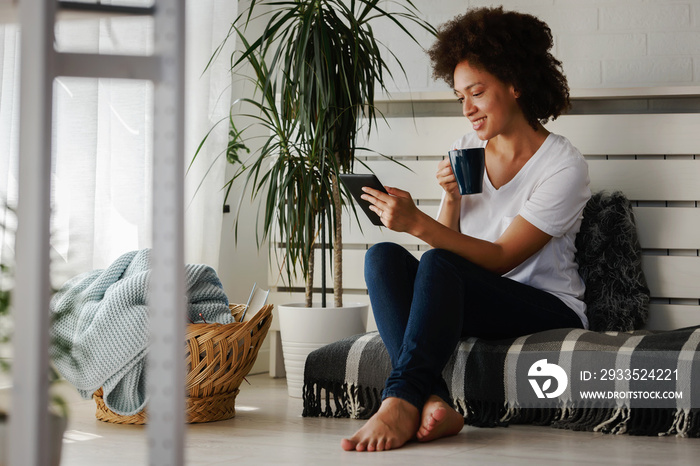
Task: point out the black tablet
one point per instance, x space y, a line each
355 183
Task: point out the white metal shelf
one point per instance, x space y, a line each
40 64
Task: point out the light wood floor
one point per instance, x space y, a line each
268 429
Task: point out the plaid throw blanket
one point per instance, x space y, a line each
346 378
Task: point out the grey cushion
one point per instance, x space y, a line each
610 263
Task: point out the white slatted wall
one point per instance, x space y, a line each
653 158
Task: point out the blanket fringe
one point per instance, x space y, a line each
680 424
616 423
482 413
325 399
317 400
461 406
693 429
510 413
646 421
360 403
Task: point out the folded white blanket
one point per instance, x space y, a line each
100 327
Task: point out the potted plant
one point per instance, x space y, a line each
315 68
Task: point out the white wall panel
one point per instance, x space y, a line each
631 134
670 316
668 227
648 180
420 136
674 133
672 276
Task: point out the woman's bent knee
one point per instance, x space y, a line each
384 253
383 257
440 258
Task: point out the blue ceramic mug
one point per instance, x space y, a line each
468 167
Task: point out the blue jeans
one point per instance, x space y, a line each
423 308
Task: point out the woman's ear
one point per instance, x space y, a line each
514 92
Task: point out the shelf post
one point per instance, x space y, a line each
166 372
29 416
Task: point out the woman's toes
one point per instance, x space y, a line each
439 420
394 424
347 445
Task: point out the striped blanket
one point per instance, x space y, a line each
494 383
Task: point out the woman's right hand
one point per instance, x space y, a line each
447 180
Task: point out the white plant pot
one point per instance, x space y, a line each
305 329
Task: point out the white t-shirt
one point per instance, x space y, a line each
550 191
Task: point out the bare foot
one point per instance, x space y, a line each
393 425
438 420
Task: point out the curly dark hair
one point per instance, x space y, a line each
512 46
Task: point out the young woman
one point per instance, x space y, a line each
502 262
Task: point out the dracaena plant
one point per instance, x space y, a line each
315 68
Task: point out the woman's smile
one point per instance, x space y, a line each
478 123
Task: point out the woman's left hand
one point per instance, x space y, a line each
397 210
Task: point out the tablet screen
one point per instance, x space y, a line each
355 183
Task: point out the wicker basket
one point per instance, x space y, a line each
218 357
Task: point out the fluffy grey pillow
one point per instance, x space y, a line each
610 263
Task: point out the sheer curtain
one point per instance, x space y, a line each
102 162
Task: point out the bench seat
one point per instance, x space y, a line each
485 378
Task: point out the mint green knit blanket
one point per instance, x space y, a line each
100 327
